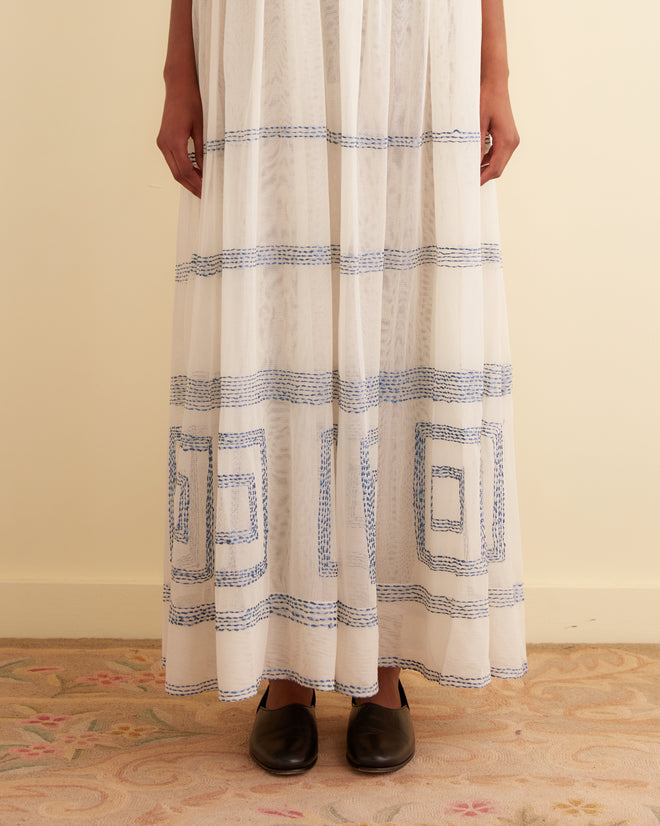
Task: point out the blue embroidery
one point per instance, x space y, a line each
183 507
369 478
227 575
457 609
466 387
434 603
445 472
179 522
497 552
237 480
345 688
327 567
302 611
506 597
452 679
278 255
465 436
338 138
269 674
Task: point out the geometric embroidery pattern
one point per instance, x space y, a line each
438 523
228 570
494 525
234 482
179 506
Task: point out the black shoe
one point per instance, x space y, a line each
285 740
380 739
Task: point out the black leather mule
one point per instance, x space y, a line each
285 740
380 739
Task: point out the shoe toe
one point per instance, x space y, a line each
284 740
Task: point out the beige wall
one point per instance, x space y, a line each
88 233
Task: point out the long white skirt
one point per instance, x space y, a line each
342 488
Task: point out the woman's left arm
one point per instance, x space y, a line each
496 114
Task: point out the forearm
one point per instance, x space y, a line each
494 62
180 60
183 115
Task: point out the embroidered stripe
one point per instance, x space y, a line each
295 387
339 139
278 255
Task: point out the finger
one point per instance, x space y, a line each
486 143
188 176
484 133
198 141
183 170
497 159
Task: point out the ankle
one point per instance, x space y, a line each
388 689
284 692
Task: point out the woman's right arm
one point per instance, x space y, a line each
182 113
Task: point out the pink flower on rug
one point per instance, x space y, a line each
473 809
47 720
36 751
577 806
83 740
292 814
103 678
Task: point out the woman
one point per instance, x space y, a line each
342 485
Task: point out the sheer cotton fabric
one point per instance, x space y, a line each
342 489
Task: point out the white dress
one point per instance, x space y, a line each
342 488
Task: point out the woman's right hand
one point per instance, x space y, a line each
183 118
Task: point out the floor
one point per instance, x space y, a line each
88 735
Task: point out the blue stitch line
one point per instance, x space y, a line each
272 674
327 567
330 614
250 534
497 553
446 472
304 612
369 477
279 255
387 592
452 679
339 139
295 387
448 606
181 534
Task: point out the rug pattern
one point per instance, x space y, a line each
88 735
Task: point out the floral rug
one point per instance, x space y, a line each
89 736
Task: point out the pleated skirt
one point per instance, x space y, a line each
342 489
